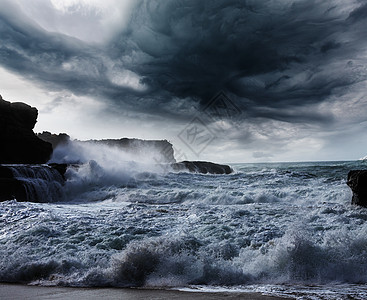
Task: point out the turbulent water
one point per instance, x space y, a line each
280 229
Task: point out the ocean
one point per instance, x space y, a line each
284 229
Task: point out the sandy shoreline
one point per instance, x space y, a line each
17 291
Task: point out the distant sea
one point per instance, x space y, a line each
285 229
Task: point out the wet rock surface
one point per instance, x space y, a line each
34 183
357 181
203 167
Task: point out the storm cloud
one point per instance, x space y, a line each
296 62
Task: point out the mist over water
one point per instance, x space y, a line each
129 223
82 152
103 169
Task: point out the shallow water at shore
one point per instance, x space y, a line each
20 292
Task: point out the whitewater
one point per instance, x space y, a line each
285 229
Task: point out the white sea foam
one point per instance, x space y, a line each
105 155
97 169
275 229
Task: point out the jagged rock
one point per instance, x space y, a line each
54 139
18 142
357 181
203 167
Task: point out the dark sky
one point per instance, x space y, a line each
223 80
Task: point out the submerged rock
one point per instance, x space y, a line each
357 181
19 144
203 167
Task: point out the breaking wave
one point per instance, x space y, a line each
187 261
125 225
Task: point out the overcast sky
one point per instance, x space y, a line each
228 81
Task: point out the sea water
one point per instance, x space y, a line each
284 229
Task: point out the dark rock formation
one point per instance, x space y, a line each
203 167
163 148
357 181
18 142
54 139
11 188
37 183
61 168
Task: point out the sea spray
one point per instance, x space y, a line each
106 155
96 170
265 225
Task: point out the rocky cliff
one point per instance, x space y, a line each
54 139
163 148
19 144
